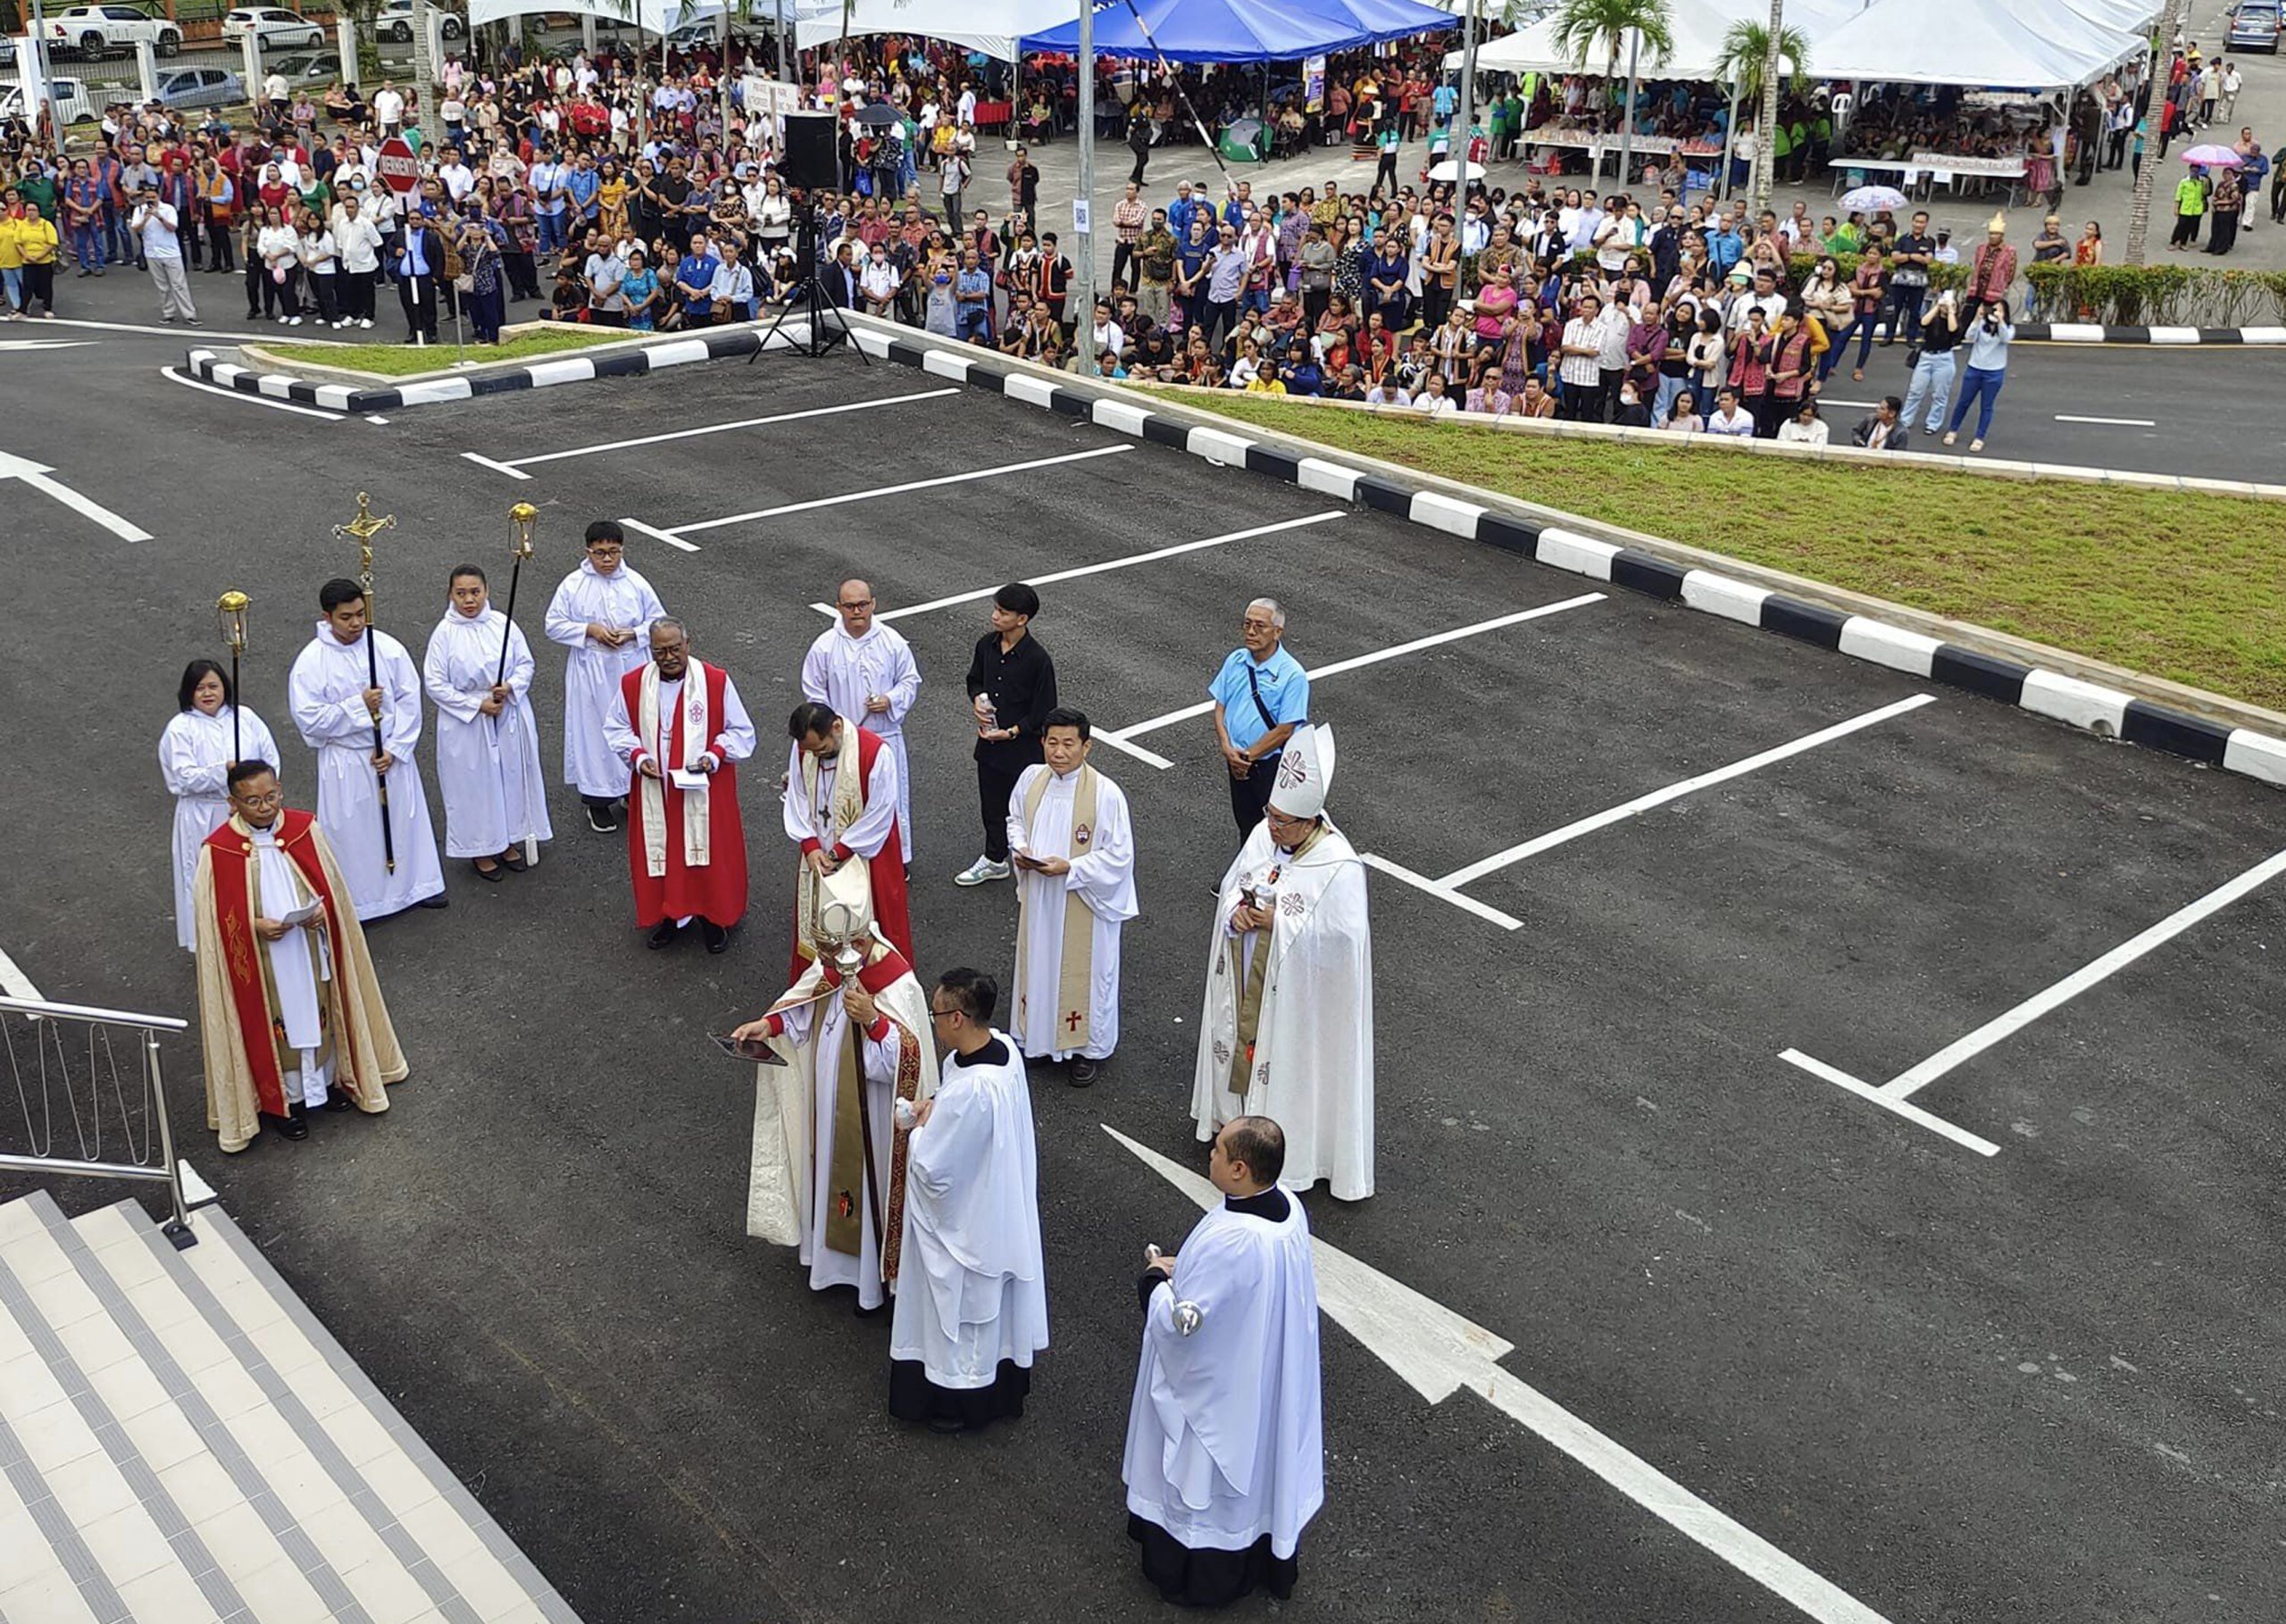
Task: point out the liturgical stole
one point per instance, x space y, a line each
1076 973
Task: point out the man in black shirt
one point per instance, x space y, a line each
1012 688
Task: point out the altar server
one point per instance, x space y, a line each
195 759
488 747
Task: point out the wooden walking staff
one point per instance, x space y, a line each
230 614
362 529
522 520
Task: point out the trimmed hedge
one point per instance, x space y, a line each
2125 295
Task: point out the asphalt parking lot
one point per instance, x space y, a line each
1630 858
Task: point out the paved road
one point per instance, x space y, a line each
2022 1388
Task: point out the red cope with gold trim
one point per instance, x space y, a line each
716 893
230 852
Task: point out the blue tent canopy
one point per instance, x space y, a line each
1394 19
1229 30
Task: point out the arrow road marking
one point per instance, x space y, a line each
1437 1353
36 475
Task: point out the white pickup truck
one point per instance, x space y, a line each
93 31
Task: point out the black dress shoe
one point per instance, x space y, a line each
336 1098
715 936
514 862
1083 1073
295 1127
600 819
492 873
663 933
438 901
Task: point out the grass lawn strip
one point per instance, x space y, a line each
2184 586
398 360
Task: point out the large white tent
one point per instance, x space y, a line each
990 26
2025 45
652 16
1697 26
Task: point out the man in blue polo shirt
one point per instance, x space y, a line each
1261 695
697 276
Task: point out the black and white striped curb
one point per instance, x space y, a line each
634 360
2089 332
2107 711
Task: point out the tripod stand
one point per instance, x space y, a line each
809 296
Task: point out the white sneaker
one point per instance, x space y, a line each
364 320
982 872
293 320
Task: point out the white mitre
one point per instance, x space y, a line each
1305 771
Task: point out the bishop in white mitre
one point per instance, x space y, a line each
972 1303
865 670
1226 1461
337 705
1288 1028
829 1156
1073 846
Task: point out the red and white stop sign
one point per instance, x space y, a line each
398 165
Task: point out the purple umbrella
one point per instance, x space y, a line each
2211 156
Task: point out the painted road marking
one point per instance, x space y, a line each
1437 1353
1905 1108
37 475
511 464
1358 662
1421 882
13 982
899 490
45 344
1328 516
1675 792
2115 422
668 536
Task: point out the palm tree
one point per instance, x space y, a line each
1582 26
1751 54
2139 213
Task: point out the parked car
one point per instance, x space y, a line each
275 27
193 87
309 68
2254 27
73 103
96 30
394 22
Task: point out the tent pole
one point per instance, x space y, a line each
1084 235
1465 115
1730 144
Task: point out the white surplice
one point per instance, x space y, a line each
328 687
195 761
845 673
877 1068
1103 874
972 1290
298 961
488 767
1312 1066
1224 1433
591 670
870 830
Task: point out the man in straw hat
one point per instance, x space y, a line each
1287 1028
829 1154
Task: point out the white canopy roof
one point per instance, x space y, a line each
2020 44
652 16
990 26
1697 26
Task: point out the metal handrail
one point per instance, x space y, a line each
178 1228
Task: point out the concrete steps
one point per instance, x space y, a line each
182 1443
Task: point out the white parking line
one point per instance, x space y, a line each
1358 662
511 463
14 982
899 490
1675 792
1421 882
668 536
1149 758
1108 565
1905 1108
2113 423
1907 1084
510 468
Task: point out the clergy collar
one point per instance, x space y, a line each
1271 1205
993 1054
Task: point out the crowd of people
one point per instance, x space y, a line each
893 1139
